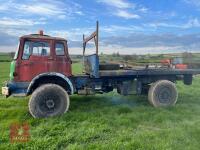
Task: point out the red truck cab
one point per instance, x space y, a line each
39 54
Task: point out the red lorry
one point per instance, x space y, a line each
42 68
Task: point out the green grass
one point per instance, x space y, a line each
5 57
77 68
4 72
107 121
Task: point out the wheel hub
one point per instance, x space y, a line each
50 103
164 95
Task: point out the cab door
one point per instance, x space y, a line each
36 59
62 59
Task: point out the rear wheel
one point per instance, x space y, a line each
163 94
48 100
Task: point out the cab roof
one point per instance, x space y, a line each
46 37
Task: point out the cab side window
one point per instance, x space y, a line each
60 49
27 50
36 49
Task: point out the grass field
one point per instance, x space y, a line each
107 121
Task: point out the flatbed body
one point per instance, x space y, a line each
148 72
145 76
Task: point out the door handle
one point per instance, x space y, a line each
28 64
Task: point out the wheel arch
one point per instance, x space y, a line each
52 77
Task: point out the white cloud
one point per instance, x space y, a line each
42 9
46 8
118 3
125 50
195 3
79 13
8 49
125 14
17 31
163 24
121 8
62 17
111 30
116 29
4 6
143 50
5 21
124 44
143 10
72 34
191 23
57 10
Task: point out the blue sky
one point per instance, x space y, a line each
126 26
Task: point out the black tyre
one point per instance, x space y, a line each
163 94
48 100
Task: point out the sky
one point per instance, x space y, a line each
126 26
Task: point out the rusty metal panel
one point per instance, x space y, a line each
91 64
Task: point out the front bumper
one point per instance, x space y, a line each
15 89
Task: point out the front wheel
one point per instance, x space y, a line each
163 93
48 100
